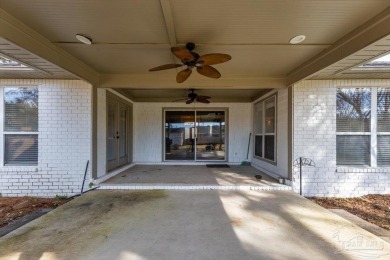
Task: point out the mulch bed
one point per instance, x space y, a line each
13 208
372 208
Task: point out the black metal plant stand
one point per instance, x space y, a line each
302 161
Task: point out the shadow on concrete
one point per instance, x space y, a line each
184 225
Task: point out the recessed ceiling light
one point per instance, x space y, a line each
84 39
297 39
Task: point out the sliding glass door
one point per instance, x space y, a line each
210 135
180 135
194 135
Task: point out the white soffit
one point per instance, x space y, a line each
349 68
37 67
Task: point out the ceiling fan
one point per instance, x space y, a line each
191 60
192 96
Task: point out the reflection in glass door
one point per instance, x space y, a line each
195 135
179 135
210 133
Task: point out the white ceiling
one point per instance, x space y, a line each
131 36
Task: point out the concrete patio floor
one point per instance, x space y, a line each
191 225
192 175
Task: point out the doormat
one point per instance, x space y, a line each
217 166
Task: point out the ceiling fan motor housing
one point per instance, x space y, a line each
190 46
192 95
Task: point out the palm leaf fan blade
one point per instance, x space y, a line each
166 67
214 58
208 71
203 97
183 75
182 53
203 100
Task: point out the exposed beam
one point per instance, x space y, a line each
20 34
213 100
125 93
166 45
364 35
142 46
262 93
136 81
169 24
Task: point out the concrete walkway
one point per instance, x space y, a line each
191 225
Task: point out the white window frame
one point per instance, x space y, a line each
373 127
263 133
2 145
3 132
375 137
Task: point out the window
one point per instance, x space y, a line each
383 127
265 129
363 126
20 126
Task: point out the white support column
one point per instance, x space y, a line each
373 127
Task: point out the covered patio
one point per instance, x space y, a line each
110 93
193 177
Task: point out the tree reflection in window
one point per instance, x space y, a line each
353 110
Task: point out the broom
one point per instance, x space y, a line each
247 162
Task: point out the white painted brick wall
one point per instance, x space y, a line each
64 141
148 129
315 138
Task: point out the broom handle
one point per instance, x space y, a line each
249 143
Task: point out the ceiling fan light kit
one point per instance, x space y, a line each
194 60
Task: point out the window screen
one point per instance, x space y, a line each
383 158
258 118
259 145
21 149
269 150
383 110
353 150
270 116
